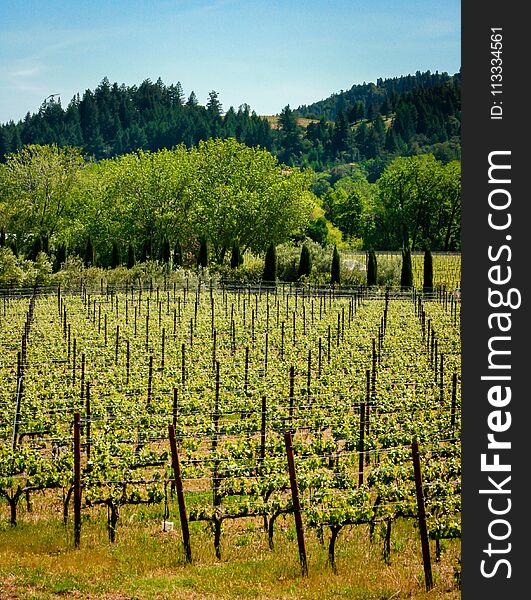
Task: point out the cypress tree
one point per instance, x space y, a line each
428 272
130 257
270 264
406 275
35 248
372 269
146 250
115 256
335 276
89 253
60 257
177 255
165 251
305 262
236 258
202 257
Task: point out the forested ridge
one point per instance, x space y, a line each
370 123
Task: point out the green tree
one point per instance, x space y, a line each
290 136
236 258
202 256
37 189
270 264
428 272
165 251
372 268
305 262
335 270
406 274
130 256
177 255
89 258
115 256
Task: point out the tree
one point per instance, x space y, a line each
115 256
165 251
241 193
130 257
428 272
305 262
38 186
335 271
202 256
60 257
177 255
290 136
236 258
406 274
270 264
418 203
372 269
89 253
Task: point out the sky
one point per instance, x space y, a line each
264 53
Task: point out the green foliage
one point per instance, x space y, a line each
270 264
115 256
305 262
236 258
202 256
130 256
177 255
428 272
406 274
89 253
372 268
335 270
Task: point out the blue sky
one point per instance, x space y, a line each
266 53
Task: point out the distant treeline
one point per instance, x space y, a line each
371 123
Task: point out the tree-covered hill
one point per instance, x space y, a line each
369 99
370 124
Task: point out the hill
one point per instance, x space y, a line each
368 124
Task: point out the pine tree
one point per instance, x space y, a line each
372 269
428 272
202 257
305 262
270 264
335 271
406 275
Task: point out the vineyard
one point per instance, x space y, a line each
200 406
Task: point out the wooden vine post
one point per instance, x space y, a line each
180 493
77 479
422 517
296 504
362 443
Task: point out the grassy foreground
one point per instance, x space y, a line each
38 560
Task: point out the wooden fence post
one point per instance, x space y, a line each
296 504
422 517
362 443
77 479
180 493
